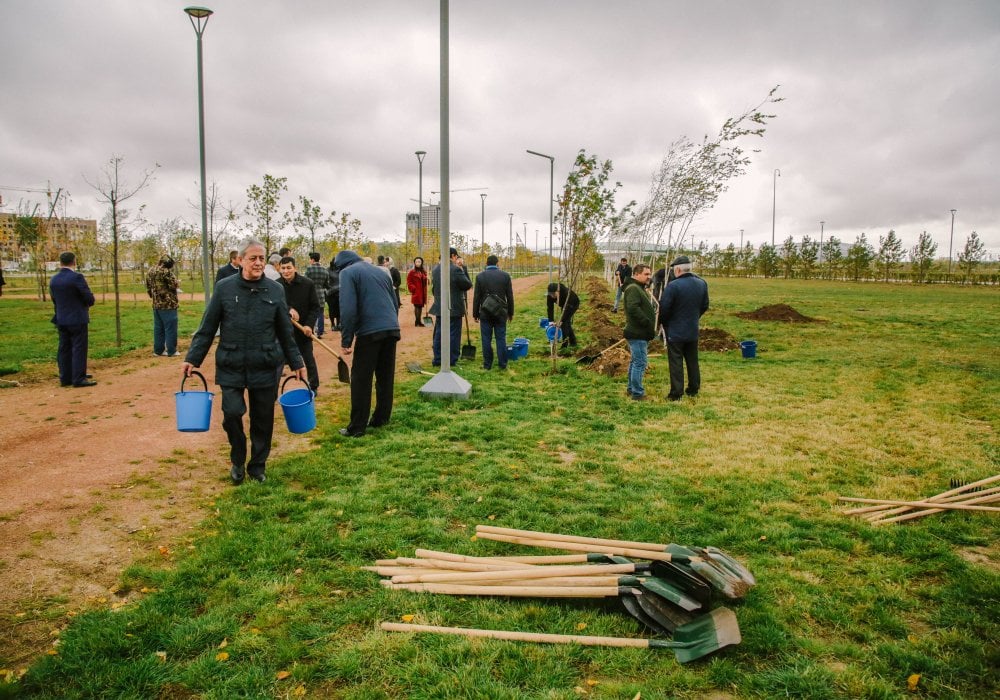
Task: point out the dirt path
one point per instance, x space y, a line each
92 480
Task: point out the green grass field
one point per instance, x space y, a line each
892 395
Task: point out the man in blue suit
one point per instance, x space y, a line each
72 299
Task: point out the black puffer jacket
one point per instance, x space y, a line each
252 320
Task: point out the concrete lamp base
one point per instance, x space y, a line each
446 385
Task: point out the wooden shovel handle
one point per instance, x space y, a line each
585 640
317 340
557 537
921 504
509 591
525 559
583 547
522 574
958 493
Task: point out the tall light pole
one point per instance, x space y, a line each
952 239
420 204
821 240
774 203
510 242
482 230
199 20
552 168
741 239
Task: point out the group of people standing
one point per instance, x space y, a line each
681 304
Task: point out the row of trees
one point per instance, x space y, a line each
833 260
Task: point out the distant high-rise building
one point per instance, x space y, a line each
432 221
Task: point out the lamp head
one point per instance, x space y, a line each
198 12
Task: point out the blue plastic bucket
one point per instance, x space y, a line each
543 322
513 352
749 349
194 408
299 409
520 347
553 332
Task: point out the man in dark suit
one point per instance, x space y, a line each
493 307
72 298
229 269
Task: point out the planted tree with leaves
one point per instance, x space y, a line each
788 257
767 260
833 257
308 217
890 254
690 179
114 189
858 260
971 255
808 254
346 231
263 202
922 257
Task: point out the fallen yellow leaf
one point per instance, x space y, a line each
161 655
591 682
254 630
224 643
407 618
282 675
473 538
52 652
222 656
912 681
299 691
581 626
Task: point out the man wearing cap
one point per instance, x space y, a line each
161 286
683 303
569 302
460 283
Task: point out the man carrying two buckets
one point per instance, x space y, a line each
251 315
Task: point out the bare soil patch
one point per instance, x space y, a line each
93 480
716 340
777 312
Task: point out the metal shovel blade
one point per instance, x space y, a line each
417 369
468 352
732 564
702 636
343 372
631 605
665 613
726 582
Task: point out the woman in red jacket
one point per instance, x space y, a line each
416 282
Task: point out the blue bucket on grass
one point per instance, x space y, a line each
543 322
299 408
194 408
553 333
520 347
749 349
513 352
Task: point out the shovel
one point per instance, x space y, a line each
343 371
417 369
721 566
589 359
468 350
692 641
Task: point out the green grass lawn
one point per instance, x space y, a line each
893 395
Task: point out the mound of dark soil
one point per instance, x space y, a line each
716 340
777 312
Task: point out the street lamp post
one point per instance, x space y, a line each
199 20
821 240
774 203
552 166
510 243
952 239
741 239
482 223
420 204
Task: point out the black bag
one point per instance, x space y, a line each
494 307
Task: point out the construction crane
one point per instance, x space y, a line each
464 189
47 192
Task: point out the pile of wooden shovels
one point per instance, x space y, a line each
670 593
968 497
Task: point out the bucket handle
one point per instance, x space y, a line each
200 376
289 378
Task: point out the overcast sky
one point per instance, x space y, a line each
890 118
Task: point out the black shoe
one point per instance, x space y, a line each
487 367
237 474
347 433
638 397
65 383
259 478
85 382
691 393
673 398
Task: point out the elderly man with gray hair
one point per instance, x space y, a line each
684 301
251 315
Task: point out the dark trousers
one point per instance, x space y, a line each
333 303
418 315
165 331
234 405
72 353
680 353
569 337
372 359
487 331
456 339
305 346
